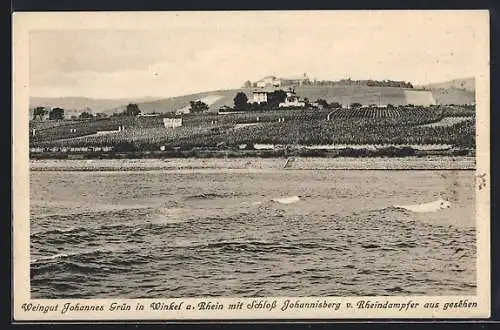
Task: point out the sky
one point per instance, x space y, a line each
192 52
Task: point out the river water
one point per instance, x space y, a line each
145 234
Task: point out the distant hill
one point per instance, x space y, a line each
214 99
343 94
453 96
467 84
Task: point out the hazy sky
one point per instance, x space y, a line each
222 50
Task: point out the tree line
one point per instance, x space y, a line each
54 114
349 81
58 113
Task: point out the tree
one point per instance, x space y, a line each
56 114
132 109
247 84
39 112
101 115
240 101
323 103
85 115
335 105
355 105
198 106
275 98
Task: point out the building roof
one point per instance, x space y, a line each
263 90
268 77
296 77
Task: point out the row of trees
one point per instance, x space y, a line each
377 83
241 101
349 81
198 106
131 110
54 114
57 113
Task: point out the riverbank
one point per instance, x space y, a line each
362 151
294 163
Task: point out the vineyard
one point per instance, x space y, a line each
399 116
74 129
257 117
362 126
349 131
140 138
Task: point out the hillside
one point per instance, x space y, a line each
467 84
453 96
337 93
344 94
215 100
341 94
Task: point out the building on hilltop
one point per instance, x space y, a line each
273 81
268 81
291 100
260 95
294 80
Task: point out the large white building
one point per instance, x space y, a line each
269 81
294 80
272 81
260 95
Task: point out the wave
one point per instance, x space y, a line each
78 230
286 200
434 206
70 230
204 196
56 256
44 273
231 245
66 208
60 256
85 262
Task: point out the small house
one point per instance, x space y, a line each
291 100
172 122
260 95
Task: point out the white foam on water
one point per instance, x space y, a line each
167 215
56 256
287 200
435 206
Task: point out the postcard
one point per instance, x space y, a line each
251 165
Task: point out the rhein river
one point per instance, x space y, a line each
192 233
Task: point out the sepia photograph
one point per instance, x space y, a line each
223 155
